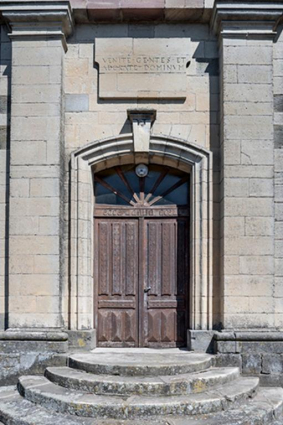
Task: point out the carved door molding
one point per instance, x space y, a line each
114 151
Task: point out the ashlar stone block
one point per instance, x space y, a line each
257 226
253 74
272 363
251 364
261 265
248 55
248 93
249 286
76 102
24 55
261 188
260 128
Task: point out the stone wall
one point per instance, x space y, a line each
194 119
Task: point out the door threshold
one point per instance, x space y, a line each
139 350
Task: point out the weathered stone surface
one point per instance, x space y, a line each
82 339
265 406
17 364
27 351
226 347
4 132
39 390
159 385
261 347
229 360
139 364
278 103
251 364
210 392
272 363
278 136
201 341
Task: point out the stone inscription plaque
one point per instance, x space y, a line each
142 68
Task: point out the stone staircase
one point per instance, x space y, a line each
166 387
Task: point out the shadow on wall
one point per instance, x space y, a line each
5 109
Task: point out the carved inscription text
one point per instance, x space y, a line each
143 64
141 212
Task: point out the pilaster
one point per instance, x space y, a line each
38 31
246 35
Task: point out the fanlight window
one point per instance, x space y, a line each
160 186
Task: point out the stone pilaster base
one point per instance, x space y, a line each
200 341
257 353
82 339
24 351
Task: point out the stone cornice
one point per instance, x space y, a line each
246 18
45 18
100 11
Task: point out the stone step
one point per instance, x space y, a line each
265 408
140 363
41 391
128 385
15 410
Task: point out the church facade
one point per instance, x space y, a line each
141 180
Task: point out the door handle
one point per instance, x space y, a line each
147 289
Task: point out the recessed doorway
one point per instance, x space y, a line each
141 256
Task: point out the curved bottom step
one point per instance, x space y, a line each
265 408
39 390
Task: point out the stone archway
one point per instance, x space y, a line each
120 150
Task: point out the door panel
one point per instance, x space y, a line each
116 266
166 274
142 276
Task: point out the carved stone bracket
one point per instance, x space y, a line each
141 120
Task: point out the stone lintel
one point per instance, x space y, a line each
141 120
38 19
253 19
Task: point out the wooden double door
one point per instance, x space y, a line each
141 263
